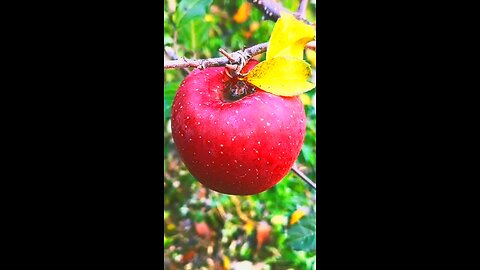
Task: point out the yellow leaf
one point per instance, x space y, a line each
226 262
311 57
171 227
249 226
289 37
282 76
305 99
296 216
208 18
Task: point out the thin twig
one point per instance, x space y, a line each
215 62
302 9
304 178
225 53
170 53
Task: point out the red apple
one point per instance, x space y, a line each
239 147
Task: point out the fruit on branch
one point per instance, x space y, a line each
233 138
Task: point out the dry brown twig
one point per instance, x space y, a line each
215 62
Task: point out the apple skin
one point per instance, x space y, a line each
242 147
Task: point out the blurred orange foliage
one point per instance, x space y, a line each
242 13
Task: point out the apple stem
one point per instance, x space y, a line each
304 178
237 63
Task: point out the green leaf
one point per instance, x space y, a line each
302 236
169 94
190 9
195 36
245 250
166 241
308 154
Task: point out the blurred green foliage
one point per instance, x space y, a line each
208 230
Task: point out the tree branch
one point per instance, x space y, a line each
170 53
215 62
304 178
272 10
302 9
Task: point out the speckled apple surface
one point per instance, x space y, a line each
242 147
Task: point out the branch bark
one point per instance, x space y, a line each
302 9
271 10
215 62
304 177
170 53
